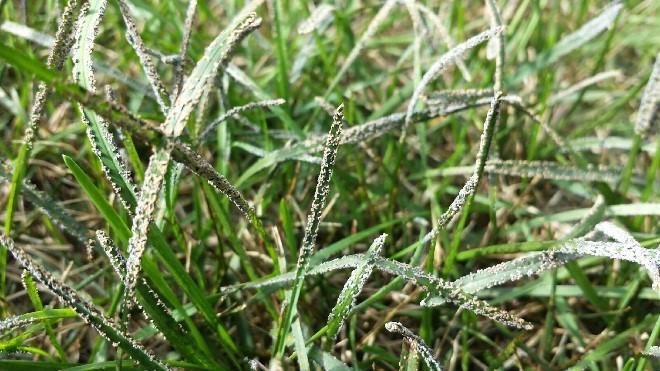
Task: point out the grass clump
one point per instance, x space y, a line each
482 197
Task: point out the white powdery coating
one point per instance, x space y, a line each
450 291
465 97
320 14
648 109
239 109
417 342
113 254
653 351
630 250
353 287
86 32
153 182
471 185
216 54
134 39
553 170
441 63
322 187
70 298
14 323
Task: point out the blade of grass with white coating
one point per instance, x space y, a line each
648 108
571 42
417 343
352 288
432 73
541 169
143 130
87 311
450 291
150 302
311 230
217 53
595 79
135 40
56 59
98 132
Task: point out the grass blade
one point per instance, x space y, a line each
311 230
93 316
417 343
352 288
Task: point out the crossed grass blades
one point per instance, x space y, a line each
182 103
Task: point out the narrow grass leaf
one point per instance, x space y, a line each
648 109
311 230
581 85
432 73
236 110
135 40
215 55
99 134
417 343
87 311
352 288
31 289
450 291
572 41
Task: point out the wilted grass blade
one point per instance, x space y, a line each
89 313
311 230
352 288
416 342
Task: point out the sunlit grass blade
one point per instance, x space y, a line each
352 288
263 104
417 343
87 311
581 85
215 55
648 108
311 230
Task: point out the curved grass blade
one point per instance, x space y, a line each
417 343
215 55
56 59
572 41
352 288
311 230
133 37
450 291
89 313
439 65
100 137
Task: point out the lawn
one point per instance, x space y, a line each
391 185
